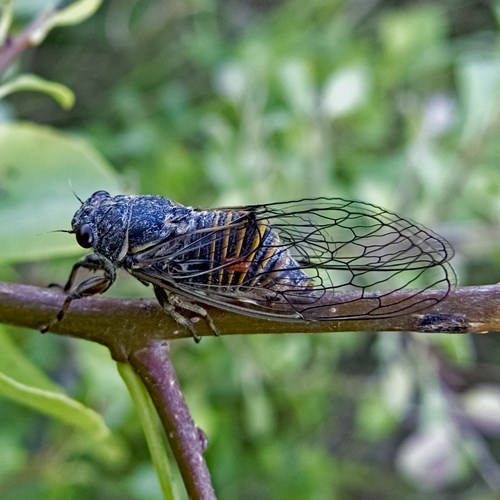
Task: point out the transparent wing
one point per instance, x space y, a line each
313 259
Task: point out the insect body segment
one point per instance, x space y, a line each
224 250
309 260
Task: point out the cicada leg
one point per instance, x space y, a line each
170 302
91 286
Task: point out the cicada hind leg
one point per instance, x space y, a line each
171 303
91 286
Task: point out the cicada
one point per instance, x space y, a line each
315 259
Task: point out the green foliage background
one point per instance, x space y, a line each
217 103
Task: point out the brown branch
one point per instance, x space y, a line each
188 442
123 325
15 45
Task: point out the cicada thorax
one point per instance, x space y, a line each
235 249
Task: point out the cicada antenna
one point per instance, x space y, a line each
74 193
69 231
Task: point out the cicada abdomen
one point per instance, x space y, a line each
228 250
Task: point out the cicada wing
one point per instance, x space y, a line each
357 261
368 261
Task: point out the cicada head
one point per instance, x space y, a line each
101 223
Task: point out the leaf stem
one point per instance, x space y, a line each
147 414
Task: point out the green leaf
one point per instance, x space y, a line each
39 167
5 19
16 365
27 385
479 84
60 93
149 422
75 13
54 404
375 420
408 32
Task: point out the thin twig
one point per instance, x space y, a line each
15 45
188 443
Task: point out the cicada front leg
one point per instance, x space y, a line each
91 286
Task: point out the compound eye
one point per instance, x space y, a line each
84 236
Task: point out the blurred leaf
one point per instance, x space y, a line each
5 19
60 93
298 87
27 385
458 348
431 458
54 404
398 386
375 420
496 10
482 406
406 33
345 90
479 83
37 166
75 13
16 365
231 80
258 414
